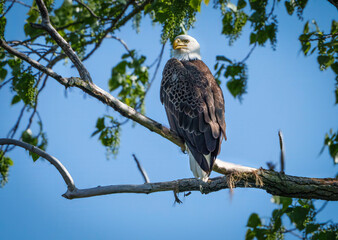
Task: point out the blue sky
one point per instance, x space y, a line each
285 91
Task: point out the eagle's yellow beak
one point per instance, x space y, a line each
178 44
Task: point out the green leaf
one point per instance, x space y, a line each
289 7
241 4
196 4
254 221
325 61
5 163
331 141
253 38
223 58
3 74
298 216
306 27
306 46
249 234
311 227
15 99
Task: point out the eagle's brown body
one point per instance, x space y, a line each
194 105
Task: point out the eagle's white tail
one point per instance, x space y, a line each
196 169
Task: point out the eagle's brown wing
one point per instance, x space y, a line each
195 108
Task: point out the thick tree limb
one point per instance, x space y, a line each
236 176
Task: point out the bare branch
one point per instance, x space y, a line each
249 54
19 2
282 154
57 164
156 69
88 8
60 41
116 23
272 182
141 169
8 9
5 82
124 44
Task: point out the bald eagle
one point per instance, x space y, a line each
194 105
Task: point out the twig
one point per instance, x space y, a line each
62 170
324 36
116 24
106 32
124 44
15 127
88 8
272 9
282 156
141 169
156 69
5 82
7 10
249 54
22 3
322 207
159 58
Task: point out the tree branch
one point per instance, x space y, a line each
45 24
236 176
100 95
141 169
57 164
334 3
86 7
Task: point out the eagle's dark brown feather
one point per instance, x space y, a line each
195 108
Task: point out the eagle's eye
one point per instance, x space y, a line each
186 41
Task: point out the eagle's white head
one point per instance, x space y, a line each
186 48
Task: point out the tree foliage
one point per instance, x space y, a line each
300 213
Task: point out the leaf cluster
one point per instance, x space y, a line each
2 19
109 134
39 140
175 16
5 163
235 73
300 213
23 82
235 17
331 141
130 78
326 46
